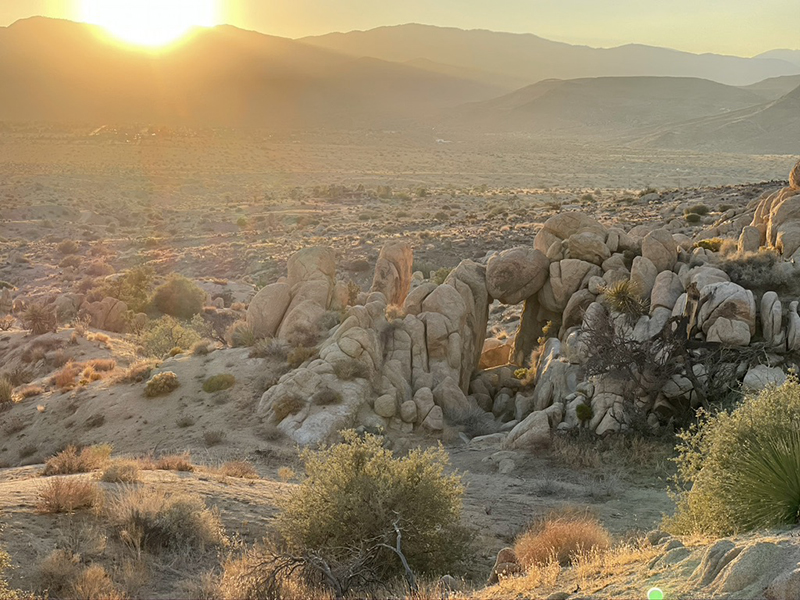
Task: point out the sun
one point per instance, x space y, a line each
151 23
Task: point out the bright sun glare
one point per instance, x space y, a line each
151 23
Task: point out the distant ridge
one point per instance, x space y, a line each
523 59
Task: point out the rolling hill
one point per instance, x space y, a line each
775 87
54 70
771 128
517 60
608 106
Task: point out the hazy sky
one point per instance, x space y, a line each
742 27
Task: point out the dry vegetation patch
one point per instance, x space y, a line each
561 539
71 460
68 494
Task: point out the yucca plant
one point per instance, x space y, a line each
39 319
625 297
740 471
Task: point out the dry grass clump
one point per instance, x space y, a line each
29 391
625 297
6 322
138 371
217 383
102 364
121 471
63 574
326 397
239 468
65 378
561 539
284 406
6 390
68 494
39 319
202 348
71 460
297 356
214 437
347 370
270 348
93 583
161 384
150 519
175 462
240 335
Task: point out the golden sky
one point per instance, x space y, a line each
741 27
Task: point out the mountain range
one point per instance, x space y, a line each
409 76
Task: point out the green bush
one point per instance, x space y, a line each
217 383
161 384
438 277
354 494
712 244
133 288
178 297
696 209
740 471
164 334
584 412
692 218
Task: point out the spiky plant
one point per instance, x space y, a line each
39 319
625 297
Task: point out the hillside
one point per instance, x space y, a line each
523 59
62 71
775 87
609 105
792 56
771 128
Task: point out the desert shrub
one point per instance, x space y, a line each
297 356
178 297
696 209
166 333
240 469
202 348
59 570
740 470
438 277
284 406
6 322
757 270
39 319
93 583
67 247
102 364
6 391
99 268
270 348
68 494
70 261
121 471
356 496
138 371
217 383
347 370
65 377
692 218
161 384
712 244
175 352
305 334
584 412
326 397
175 462
562 539
71 460
214 437
150 519
240 335
624 297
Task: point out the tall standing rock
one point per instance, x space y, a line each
794 177
267 309
516 274
311 278
393 272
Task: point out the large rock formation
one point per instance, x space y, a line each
393 272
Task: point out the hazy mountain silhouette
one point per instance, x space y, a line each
605 105
56 70
523 59
792 56
775 87
771 128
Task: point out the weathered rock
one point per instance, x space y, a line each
794 177
423 398
393 272
793 329
561 226
727 301
495 353
386 406
408 411
643 275
762 376
785 586
516 274
660 248
729 332
435 420
531 433
454 403
267 309
588 246
302 318
666 291
749 240
316 262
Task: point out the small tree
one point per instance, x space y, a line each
179 297
363 517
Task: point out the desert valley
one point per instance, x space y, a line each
414 312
